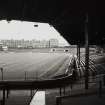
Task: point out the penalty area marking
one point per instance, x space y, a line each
38 98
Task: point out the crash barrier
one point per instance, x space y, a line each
38 84
7 85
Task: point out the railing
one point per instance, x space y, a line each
65 80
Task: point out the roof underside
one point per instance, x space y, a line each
67 16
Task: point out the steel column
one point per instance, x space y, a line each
2 73
78 53
3 102
86 53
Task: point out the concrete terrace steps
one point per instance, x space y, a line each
88 100
91 96
77 91
81 67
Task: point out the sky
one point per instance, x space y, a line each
26 30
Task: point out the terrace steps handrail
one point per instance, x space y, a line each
36 84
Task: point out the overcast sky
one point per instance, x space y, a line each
27 31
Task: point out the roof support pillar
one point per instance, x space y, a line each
78 53
86 53
3 99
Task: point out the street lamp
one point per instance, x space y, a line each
1 72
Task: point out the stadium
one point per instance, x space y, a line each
40 72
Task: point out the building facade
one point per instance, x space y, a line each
30 43
53 43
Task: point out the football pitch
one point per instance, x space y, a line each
32 65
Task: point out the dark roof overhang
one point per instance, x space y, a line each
67 16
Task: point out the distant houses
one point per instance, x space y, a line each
5 44
3 48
